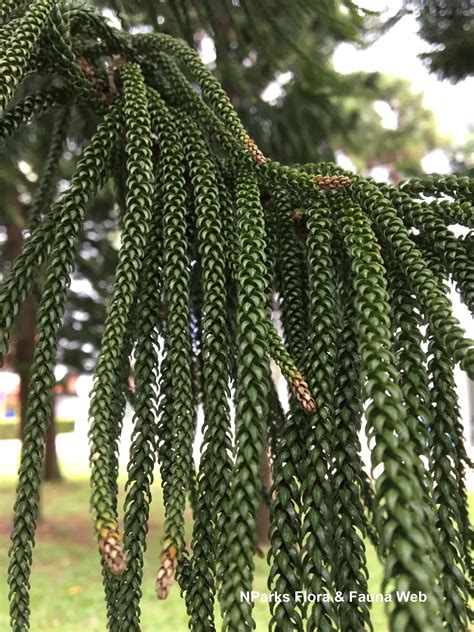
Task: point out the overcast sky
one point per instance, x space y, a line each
396 53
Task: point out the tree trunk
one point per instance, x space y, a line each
51 465
263 519
22 356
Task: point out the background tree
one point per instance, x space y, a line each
391 129
449 27
462 157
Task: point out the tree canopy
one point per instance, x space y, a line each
449 27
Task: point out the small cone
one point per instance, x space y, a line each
331 182
302 393
254 151
166 572
110 547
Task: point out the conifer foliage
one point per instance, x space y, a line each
213 234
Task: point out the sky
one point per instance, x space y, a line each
396 53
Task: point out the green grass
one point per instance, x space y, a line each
66 590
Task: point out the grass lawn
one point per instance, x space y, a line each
66 581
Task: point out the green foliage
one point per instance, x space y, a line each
211 230
309 120
66 219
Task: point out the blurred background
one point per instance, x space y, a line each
382 88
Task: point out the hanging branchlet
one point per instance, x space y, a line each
457 186
165 576
386 423
31 106
441 239
57 45
110 547
142 449
15 59
412 364
64 236
213 234
455 212
46 187
211 512
111 580
254 151
437 306
253 374
288 462
447 464
176 278
180 93
296 381
136 224
351 489
317 484
8 8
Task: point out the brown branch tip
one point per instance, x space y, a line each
303 395
166 572
110 547
331 182
254 151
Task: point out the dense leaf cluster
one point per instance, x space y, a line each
449 28
212 231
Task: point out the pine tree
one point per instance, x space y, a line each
211 229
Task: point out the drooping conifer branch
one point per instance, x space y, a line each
213 233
